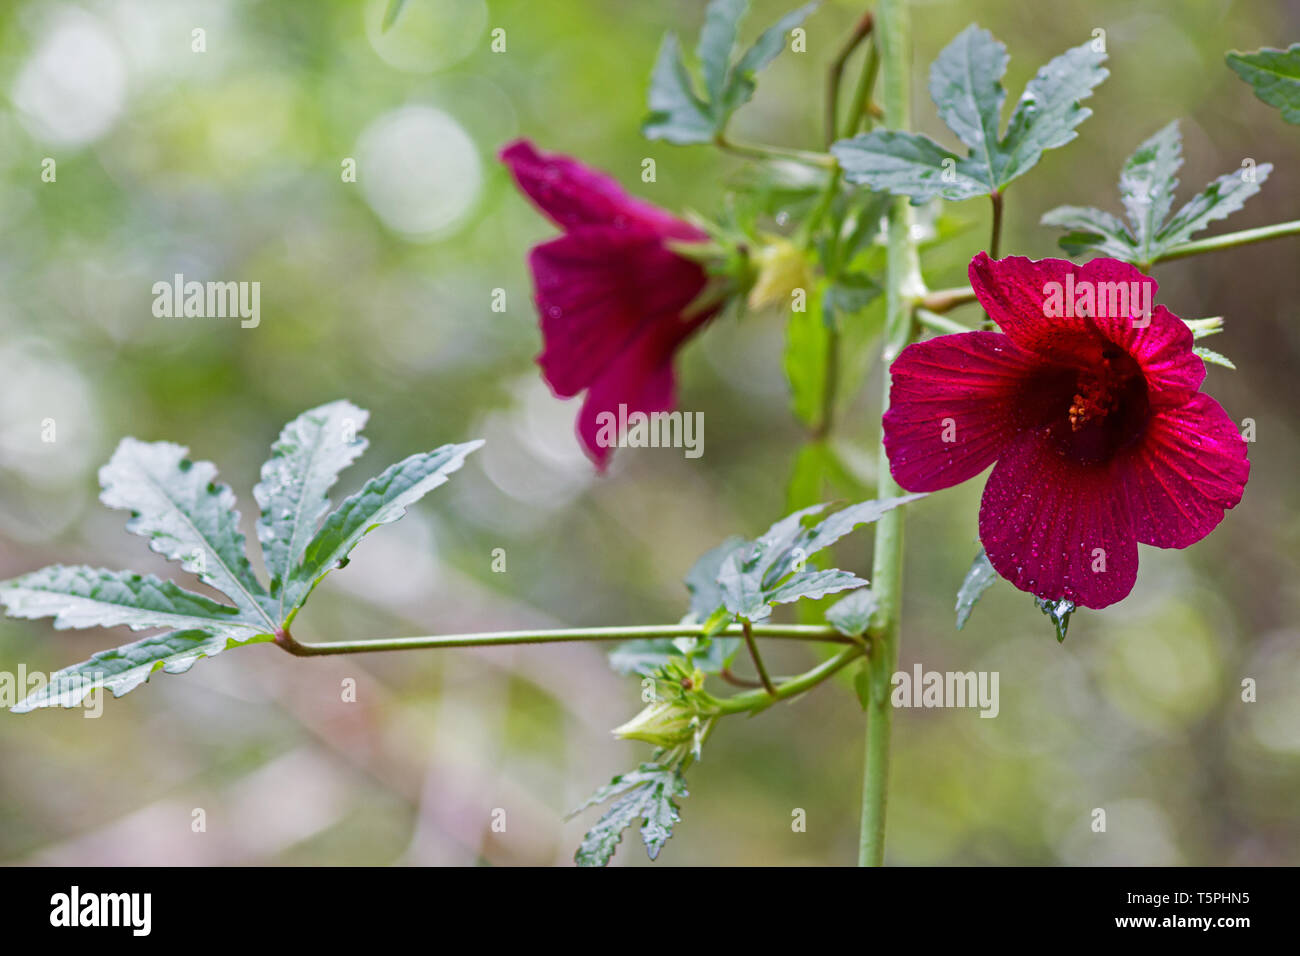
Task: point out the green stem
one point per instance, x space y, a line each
939 323
859 109
995 241
756 151
1243 238
792 632
860 32
757 658
944 300
756 700
904 287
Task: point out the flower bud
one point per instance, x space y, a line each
782 268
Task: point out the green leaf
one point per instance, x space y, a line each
965 84
680 115
753 577
717 40
643 796
851 616
978 580
765 49
186 515
862 684
1048 111
1092 230
702 578
125 668
1147 184
909 164
80 596
812 584
676 115
382 500
1274 75
1219 199
304 464
806 342
1213 357
1059 612
392 13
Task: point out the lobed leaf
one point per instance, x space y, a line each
187 517
852 615
1147 183
680 115
1274 75
304 464
79 596
382 500
1219 199
643 796
125 668
965 84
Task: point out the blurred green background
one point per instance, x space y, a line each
226 165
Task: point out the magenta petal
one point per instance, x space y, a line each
1056 528
953 406
1011 291
597 289
641 379
1188 470
1014 291
572 194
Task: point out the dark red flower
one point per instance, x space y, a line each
610 293
1088 402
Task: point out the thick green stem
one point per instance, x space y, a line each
1242 238
792 632
904 287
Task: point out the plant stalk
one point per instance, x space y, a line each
903 288
792 632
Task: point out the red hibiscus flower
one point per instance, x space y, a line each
1088 402
611 293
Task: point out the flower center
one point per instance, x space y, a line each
1107 410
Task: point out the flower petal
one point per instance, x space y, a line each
1056 528
596 289
641 378
1189 468
1016 292
572 194
954 403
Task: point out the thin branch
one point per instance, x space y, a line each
748 630
1231 239
758 699
942 300
938 323
996 239
755 151
836 74
792 632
